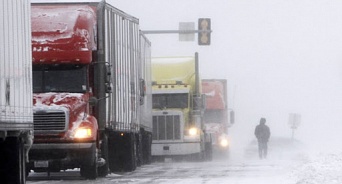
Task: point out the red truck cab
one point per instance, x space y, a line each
215 117
65 129
91 109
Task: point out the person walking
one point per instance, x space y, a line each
262 133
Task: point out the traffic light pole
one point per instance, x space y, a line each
175 31
204 31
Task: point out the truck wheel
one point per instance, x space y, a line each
139 149
147 143
201 156
89 169
27 172
209 151
104 170
197 157
13 163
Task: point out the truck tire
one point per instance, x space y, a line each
147 146
139 149
209 151
104 170
89 169
13 163
23 161
196 157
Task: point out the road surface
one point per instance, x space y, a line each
238 168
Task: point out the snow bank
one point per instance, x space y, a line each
324 168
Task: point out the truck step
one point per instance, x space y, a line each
101 162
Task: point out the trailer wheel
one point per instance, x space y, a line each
89 169
23 169
13 163
139 149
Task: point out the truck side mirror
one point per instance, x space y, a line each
142 86
92 101
108 79
204 102
232 117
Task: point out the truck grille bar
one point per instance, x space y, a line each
49 121
166 127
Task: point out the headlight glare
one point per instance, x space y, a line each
224 142
83 133
193 131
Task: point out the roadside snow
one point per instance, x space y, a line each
293 162
323 168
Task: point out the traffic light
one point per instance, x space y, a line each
204 31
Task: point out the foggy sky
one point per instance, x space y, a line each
279 57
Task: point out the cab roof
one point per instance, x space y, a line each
63 33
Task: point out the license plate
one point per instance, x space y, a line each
38 164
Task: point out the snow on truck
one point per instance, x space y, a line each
92 102
177 109
216 121
16 116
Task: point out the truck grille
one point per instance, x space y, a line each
166 127
49 121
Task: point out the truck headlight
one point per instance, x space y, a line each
82 133
224 142
193 131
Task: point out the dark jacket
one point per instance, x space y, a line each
262 132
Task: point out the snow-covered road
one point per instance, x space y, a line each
287 164
218 171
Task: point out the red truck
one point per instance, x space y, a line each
91 92
216 120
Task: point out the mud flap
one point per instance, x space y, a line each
122 151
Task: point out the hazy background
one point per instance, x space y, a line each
279 57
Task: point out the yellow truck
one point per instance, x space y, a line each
178 106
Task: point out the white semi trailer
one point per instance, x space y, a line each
16 116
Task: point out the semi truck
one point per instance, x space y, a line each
90 89
217 116
16 115
178 106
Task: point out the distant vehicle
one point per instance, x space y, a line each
178 105
216 115
16 115
92 101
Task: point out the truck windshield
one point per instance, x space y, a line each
59 78
179 100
